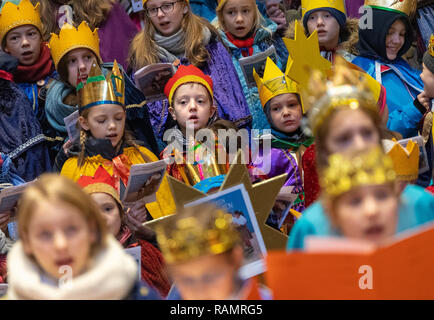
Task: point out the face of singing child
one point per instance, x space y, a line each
58 235
79 60
327 27
286 113
368 213
109 210
106 121
169 23
209 277
428 81
191 102
395 39
351 131
239 16
24 43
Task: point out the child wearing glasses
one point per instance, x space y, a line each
173 34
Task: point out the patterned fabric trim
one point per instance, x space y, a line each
31 142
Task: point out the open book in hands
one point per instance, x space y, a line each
332 268
152 79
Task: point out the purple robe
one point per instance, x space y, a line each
353 7
279 161
228 93
115 35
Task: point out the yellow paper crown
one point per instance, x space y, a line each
71 38
431 46
407 7
273 83
344 88
307 5
102 90
12 16
344 173
405 160
190 239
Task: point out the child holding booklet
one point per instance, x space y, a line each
173 34
65 251
246 32
102 189
203 254
104 140
74 51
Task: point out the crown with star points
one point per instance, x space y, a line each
406 7
70 38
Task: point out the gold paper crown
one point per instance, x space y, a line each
407 7
273 83
189 238
71 38
204 167
344 88
373 167
307 5
431 46
405 160
102 90
12 16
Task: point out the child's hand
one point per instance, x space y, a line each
66 146
136 215
4 220
276 14
423 99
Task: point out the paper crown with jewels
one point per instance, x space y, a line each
274 82
205 171
100 182
343 88
101 90
203 231
431 46
343 173
405 160
307 5
71 38
406 7
12 16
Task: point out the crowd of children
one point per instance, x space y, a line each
300 87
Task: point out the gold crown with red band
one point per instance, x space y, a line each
13 16
101 182
71 38
187 74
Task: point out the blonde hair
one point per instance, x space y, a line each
143 50
56 188
258 19
127 137
93 11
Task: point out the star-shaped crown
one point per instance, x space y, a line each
406 7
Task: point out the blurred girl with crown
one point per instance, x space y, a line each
21 37
343 116
173 34
203 254
74 51
65 251
282 105
246 32
104 140
102 189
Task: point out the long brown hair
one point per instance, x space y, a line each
92 11
143 49
128 138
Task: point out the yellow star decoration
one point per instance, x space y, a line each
262 195
304 54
